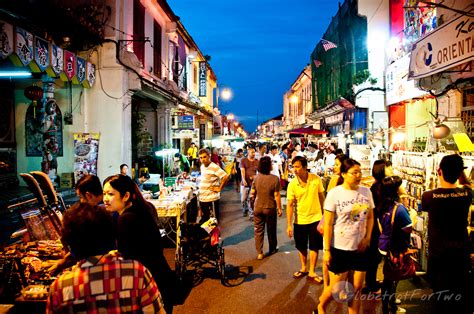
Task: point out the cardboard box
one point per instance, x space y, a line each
67 180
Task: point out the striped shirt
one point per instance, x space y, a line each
210 176
105 284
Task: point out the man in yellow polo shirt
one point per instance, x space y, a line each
305 195
192 155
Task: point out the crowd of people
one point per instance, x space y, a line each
327 208
361 224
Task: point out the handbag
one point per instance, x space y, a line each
398 266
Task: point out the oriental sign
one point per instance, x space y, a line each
450 45
202 78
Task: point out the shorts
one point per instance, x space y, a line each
307 233
343 261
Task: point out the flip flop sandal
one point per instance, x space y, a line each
315 279
300 274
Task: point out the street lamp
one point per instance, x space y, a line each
226 94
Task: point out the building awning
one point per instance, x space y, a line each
307 130
337 106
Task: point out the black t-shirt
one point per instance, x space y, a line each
447 219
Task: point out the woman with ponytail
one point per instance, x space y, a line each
138 234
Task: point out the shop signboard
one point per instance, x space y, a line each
185 122
397 87
202 78
86 151
6 39
447 46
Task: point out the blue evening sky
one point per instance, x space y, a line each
257 47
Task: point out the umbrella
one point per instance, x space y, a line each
307 130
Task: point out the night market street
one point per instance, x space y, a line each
267 286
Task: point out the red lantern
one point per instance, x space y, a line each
34 93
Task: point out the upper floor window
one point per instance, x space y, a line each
139 30
157 49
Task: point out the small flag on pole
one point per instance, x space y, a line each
317 63
327 44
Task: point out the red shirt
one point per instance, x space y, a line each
105 284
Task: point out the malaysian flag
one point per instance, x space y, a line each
317 63
327 44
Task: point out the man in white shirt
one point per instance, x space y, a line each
213 180
277 168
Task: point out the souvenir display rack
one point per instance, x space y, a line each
419 175
361 153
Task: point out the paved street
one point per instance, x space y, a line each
267 286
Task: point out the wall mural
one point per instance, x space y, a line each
44 130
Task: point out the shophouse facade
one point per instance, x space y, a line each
349 77
416 92
130 69
297 102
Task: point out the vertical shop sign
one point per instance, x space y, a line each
6 39
202 134
202 78
86 152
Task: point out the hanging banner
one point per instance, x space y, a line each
86 151
81 71
41 55
6 39
90 75
69 66
23 48
202 78
447 46
56 61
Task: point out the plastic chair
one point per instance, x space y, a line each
54 200
35 188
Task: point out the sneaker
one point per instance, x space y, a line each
401 310
260 256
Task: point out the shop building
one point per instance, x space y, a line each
298 101
347 68
124 72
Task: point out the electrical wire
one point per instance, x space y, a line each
105 92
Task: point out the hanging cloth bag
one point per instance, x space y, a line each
398 266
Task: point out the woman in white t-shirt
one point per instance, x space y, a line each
348 222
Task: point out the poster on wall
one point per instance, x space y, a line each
86 151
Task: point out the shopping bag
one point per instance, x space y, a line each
399 266
215 233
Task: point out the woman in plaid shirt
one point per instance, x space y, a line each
102 281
